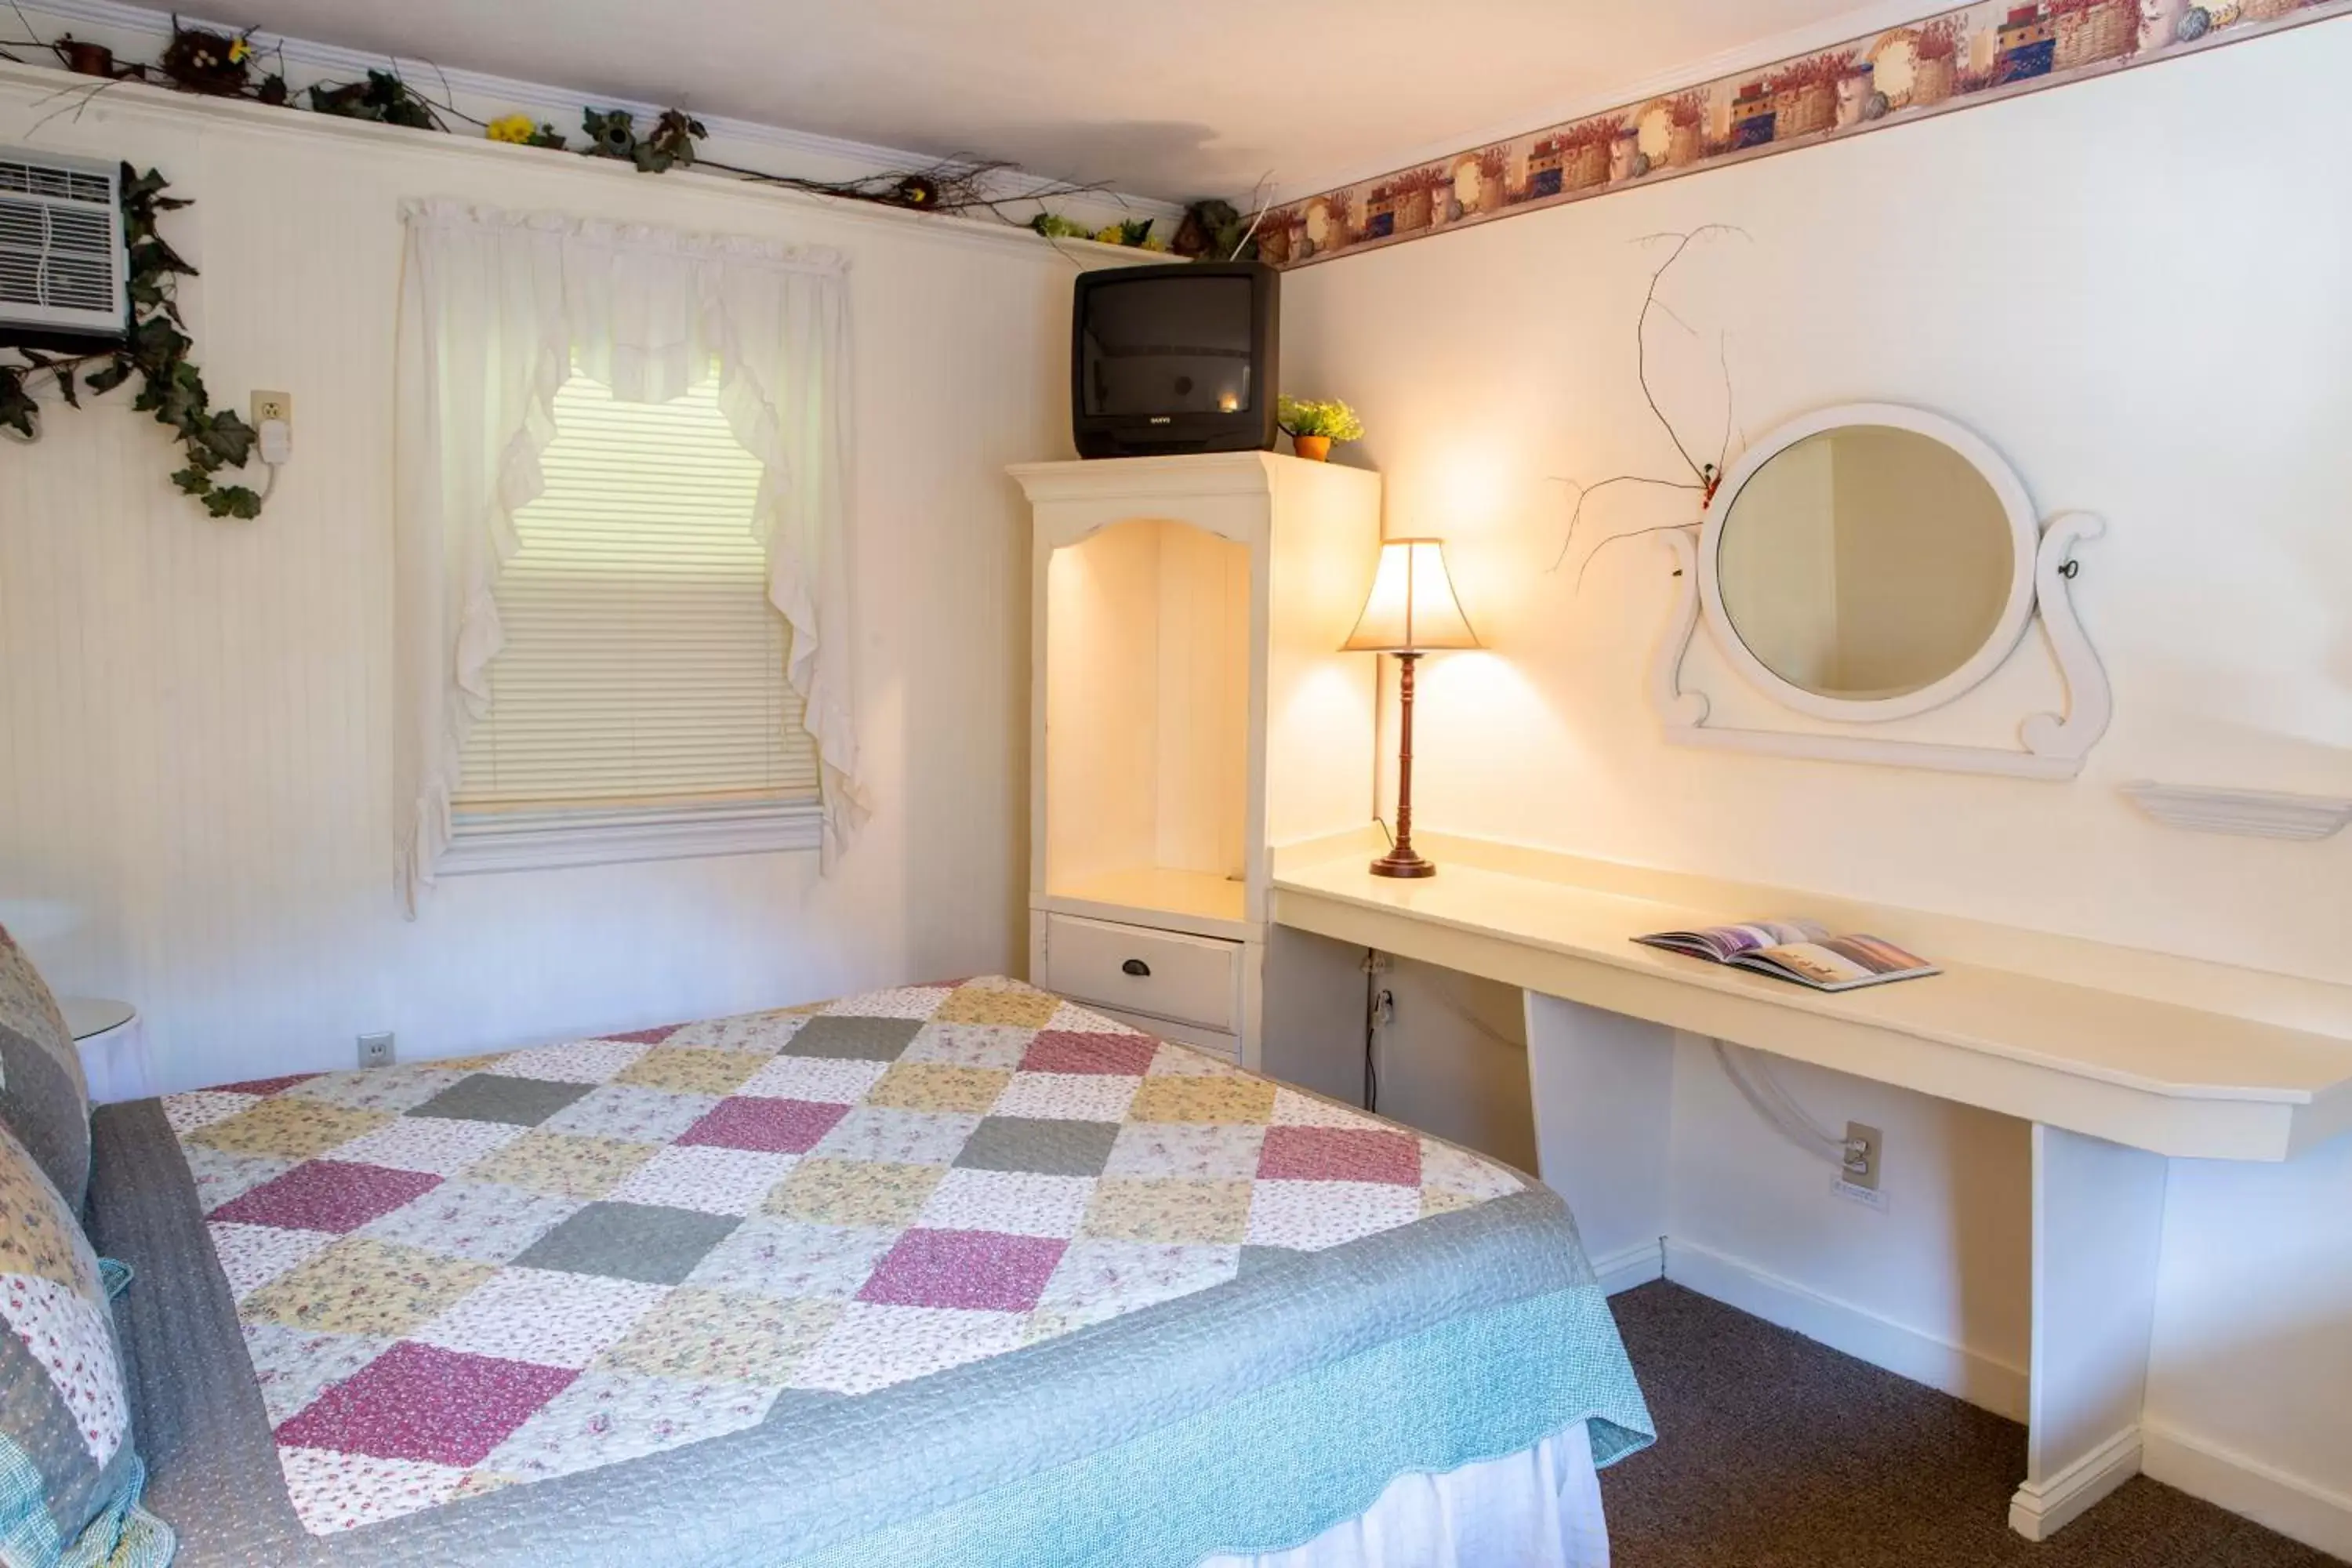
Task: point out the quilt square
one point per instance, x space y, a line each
1098 1280
606 1418
629 1241
562 1164
898 1137
220 1175
1197 1151
1444 1167
582 1061
327 1195
392 1090
251 1256
900 1002
711 1179
978 1003
1049 1146
855 1192
1086 1021
186 1112
972 1270
1292 1109
334 1491
420 1402
632 1113
294 1367
1127 1208
1172 1060
874 1346
653 1035
762 1034
492 1097
1312 1216
767 1126
361 1285
1061 1096
1066 1050
767 1256
287 1129
690 1071
939 1086
428 1143
487 1221
1340 1155
828 1080
859 1039
1000 1046
1187 1098
542 1316
1010 1203
267 1086
720 1336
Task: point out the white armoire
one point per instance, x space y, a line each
1189 710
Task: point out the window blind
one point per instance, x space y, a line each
642 665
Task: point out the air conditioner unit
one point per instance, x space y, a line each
62 257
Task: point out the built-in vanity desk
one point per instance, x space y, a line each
2129 1059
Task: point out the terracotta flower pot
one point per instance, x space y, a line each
86 59
1314 448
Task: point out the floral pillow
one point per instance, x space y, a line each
68 1479
44 1100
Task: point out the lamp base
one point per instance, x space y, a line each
1404 862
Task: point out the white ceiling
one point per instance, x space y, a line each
1172 100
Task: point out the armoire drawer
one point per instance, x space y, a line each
1165 974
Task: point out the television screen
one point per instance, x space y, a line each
1157 346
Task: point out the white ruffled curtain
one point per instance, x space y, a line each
495 310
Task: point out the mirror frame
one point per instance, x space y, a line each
2017 611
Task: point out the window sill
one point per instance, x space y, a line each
542 840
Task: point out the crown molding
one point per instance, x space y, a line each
333 59
1841 29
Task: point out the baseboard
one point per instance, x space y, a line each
1964 1373
2039 1513
1631 1266
2300 1509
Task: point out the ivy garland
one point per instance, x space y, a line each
156 350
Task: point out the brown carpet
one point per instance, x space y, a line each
1777 1452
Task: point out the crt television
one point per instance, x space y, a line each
1174 359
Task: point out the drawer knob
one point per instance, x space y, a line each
1136 967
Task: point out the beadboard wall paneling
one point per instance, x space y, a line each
195 720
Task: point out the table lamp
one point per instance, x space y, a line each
1412 611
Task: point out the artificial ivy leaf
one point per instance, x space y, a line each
154 257
109 376
229 439
195 482
234 501
18 412
66 387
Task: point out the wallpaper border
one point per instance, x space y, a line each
1961 57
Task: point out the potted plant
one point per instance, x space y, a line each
1313 424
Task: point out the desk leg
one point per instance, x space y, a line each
1603 1086
2098 1211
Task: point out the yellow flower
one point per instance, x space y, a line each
239 52
1153 242
515 127
1110 234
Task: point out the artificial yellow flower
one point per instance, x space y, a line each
1154 243
1111 234
239 52
514 128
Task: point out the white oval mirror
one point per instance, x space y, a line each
1869 563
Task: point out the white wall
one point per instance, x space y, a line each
2133 288
195 778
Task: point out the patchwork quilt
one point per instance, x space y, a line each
457 1283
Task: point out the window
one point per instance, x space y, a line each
639 707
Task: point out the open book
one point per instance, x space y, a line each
1801 951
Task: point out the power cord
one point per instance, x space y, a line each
1770 1100
1372 1029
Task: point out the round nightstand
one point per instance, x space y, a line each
112 1046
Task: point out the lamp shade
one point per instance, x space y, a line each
1411 608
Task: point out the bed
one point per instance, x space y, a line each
956 1274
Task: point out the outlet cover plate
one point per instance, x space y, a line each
1873 1143
375 1050
279 405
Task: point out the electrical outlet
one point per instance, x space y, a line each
1385 1009
375 1050
278 405
1863 1146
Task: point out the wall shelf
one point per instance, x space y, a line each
2243 813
